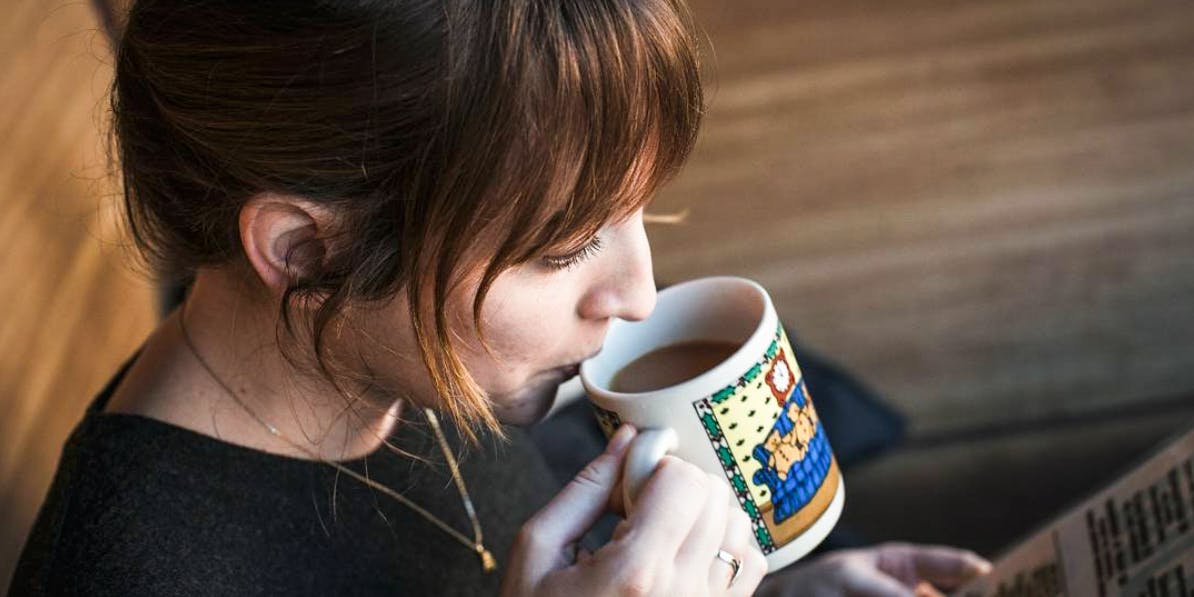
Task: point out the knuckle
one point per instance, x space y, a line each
715 483
526 534
530 536
738 521
670 465
634 588
856 567
592 474
636 581
738 515
838 563
675 470
719 488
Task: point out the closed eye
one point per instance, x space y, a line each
560 262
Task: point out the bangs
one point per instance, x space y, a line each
618 87
603 102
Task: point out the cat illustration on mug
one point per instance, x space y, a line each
789 448
795 453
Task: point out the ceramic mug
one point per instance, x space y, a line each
749 420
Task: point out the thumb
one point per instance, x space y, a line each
948 566
574 510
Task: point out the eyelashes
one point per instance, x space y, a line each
561 262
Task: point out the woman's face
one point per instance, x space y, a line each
541 319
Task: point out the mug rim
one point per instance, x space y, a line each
692 389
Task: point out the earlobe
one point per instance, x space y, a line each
281 239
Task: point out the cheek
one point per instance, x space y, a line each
527 327
522 343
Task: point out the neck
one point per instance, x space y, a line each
234 349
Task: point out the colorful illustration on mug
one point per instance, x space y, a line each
772 446
795 456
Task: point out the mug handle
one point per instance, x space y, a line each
647 449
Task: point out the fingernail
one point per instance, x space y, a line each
620 439
983 566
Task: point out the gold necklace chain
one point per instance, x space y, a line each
476 544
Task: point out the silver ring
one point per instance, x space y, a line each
735 565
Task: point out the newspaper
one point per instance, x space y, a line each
1132 539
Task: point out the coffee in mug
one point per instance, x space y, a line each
671 365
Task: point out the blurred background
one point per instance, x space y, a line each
983 210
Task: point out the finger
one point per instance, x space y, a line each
705 537
617 500
740 541
947 566
620 530
665 512
570 514
721 573
925 589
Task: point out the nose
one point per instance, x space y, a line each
629 294
629 297
628 288
638 296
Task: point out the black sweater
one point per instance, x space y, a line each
143 507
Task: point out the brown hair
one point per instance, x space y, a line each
424 125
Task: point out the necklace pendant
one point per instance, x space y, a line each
488 564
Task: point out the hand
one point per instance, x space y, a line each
665 547
888 570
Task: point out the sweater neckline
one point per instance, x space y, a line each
96 416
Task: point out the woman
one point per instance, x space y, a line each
391 210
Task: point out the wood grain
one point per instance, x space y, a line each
982 208
73 308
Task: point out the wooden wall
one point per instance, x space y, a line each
72 309
982 208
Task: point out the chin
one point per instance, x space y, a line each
528 406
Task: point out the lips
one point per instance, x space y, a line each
572 370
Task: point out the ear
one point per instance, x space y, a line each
283 238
